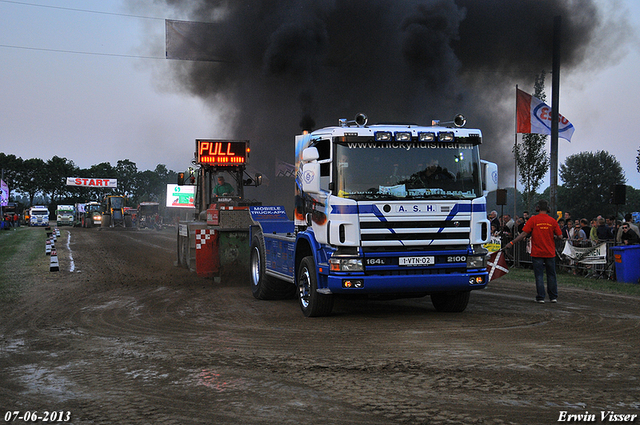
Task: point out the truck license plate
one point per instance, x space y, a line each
417 261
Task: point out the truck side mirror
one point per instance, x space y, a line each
310 154
311 177
489 177
310 170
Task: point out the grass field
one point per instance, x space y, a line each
20 250
569 280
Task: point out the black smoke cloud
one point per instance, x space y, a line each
293 63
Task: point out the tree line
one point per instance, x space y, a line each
587 178
35 177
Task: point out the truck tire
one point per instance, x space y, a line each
128 222
451 302
312 303
106 220
265 287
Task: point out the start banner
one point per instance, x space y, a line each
92 182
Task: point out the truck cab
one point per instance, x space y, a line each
39 216
65 215
394 210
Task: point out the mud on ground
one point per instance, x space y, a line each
126 337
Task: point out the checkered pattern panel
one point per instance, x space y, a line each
202 236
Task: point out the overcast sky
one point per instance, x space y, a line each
77 81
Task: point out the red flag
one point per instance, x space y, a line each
523 111
497 265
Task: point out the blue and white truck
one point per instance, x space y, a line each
396 210
39 216
384 210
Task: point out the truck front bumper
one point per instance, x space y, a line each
419 283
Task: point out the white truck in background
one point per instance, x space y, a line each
38 216
65 215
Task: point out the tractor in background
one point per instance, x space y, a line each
114 214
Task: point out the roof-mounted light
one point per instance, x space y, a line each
403 136
382 136
426 136
446 136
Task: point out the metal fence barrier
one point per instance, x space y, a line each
519 257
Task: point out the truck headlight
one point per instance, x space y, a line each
403 136
346 264
476 261
382 136
426 137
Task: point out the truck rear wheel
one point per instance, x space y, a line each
312 303
265 287
451 302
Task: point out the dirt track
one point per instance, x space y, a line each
127 338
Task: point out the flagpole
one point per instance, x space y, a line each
555 106
515 161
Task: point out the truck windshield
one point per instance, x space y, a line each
393 170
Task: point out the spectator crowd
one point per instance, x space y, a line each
579 232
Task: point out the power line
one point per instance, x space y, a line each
82 10
8 46
79 52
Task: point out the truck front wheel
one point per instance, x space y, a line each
265 287
312 303
451 302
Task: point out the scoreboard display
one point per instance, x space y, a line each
222 152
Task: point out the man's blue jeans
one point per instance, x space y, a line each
539 267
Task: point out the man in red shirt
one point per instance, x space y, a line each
543 230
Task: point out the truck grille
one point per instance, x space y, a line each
407 232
